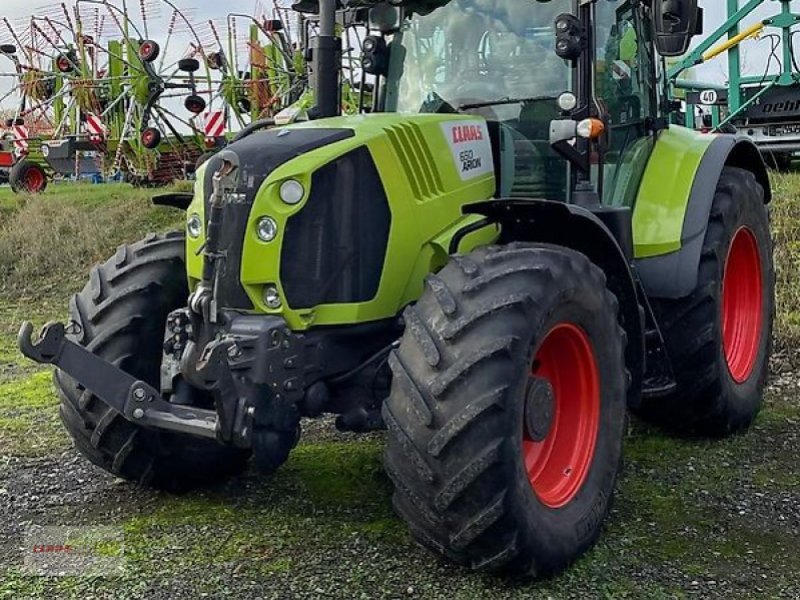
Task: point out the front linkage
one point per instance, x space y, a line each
258 373
255 369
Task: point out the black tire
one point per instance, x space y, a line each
457 406
194 104
708 399
65 63
150 138
121 312
188 65
28 176
214 60
149 50
244 104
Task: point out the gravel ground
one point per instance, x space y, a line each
691 518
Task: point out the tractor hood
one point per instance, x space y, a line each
376 191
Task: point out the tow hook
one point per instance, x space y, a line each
135 399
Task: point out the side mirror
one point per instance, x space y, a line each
675 23
385 18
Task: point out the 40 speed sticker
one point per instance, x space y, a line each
471 148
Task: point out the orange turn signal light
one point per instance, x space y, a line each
591 129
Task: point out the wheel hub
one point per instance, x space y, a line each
539 408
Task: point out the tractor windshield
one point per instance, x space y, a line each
478 52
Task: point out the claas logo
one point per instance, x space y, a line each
467 133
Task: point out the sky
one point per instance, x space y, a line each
756 52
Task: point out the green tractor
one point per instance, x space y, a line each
495 261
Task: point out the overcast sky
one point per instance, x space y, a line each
756 52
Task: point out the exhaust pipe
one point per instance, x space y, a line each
326 64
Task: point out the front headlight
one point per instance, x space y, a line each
266 229
194 226
291 191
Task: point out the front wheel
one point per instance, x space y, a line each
121 313
507 409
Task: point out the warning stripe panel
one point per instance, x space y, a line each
94 124
214 124
20 138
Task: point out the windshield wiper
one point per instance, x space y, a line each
502 101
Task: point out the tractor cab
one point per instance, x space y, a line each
511 63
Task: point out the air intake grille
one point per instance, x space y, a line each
333 249
260 153
416 159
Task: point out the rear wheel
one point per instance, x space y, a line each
121 313
28 176
507 409
719 338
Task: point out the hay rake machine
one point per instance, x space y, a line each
763 105
265 67
108 98
147 94
259 64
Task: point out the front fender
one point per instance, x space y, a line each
571 226
674 203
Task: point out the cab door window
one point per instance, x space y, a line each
626 92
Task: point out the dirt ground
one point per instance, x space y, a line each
691 517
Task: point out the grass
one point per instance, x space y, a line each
29 424
786 228
48 242
324 521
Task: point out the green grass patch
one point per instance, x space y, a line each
673 519
29 424
786 230
49 242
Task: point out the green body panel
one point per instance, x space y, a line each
666 187
116 70
425 193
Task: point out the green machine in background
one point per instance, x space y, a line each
507 249
764 106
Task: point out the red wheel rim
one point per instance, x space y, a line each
149 138
34 180
557 466
145 50
742 303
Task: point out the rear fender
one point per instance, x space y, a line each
672 211
573 227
